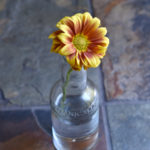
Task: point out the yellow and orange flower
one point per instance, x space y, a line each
81 40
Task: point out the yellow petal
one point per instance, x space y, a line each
77 24
51 36
97 34
67 50
87 16
63 20
71 59
93 60
56 48
103 31
74 62
85 64
64 38
77 59
66 25
54 34
96 22
90 24
77 68
99 49
80 16
85 25
66 29
105 42
102 51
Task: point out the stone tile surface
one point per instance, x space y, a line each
25 131
19 131
127 64
129 126
27 69
43 118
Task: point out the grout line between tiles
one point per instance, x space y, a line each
103 103
118 102
106 128
15 108
103 106
36 120
104 112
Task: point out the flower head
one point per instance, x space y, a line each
81 40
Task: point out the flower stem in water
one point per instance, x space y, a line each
66 83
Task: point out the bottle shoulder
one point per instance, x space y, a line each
88 92
83 104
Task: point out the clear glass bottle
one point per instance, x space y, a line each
75 121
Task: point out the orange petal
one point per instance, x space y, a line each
68 22
90 24
86 17
71 59
104 41
77 23
97 34
84 61
56 48
77 68
66 29
98 49
74 61
91 60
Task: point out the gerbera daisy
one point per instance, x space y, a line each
81 40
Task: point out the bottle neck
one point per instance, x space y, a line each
77 82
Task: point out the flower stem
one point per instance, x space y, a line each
66 83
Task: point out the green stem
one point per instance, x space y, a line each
66 84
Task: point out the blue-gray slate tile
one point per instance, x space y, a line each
129 126
27 68
127 63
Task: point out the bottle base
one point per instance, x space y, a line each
84 143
